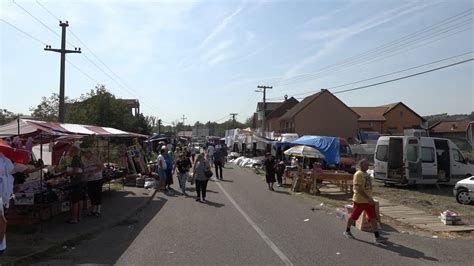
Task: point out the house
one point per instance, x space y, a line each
272 121
200 130
388 119
258 115
454 130
320 114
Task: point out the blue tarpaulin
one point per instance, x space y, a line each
329 146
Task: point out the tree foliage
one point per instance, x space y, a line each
98 107
6 116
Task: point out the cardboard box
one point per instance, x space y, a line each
363 223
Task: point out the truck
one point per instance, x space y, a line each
419 160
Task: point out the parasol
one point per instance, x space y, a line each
16 155
304 151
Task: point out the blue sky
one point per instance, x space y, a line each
204 59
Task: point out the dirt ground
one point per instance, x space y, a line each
428 198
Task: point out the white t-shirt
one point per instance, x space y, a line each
210 150
161 162
3 243
6 179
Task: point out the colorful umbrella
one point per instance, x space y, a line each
304 151
16 155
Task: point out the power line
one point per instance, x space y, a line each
380 55
405 77
22 31
82 72
35 18
385 48
47 10
384 75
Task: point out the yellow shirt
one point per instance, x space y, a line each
365 183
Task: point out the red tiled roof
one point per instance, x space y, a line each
378 113
370 113
450 126
283 108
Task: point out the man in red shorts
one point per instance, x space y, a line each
363 201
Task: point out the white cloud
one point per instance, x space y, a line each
222 25
334 38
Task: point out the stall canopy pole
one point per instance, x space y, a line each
18 124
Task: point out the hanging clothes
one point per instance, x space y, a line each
6 179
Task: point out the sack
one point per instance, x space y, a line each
208 173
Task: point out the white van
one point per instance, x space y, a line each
419 160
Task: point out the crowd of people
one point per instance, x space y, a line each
190 164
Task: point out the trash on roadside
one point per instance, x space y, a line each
305 220
322 204
338 253
64 247
449 217
435 236
150 183
341 214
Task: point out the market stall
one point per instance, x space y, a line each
41 194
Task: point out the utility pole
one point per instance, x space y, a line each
159 127
233 119
184 118
63 53
263 89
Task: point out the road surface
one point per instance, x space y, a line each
243 223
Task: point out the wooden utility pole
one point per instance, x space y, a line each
63 53
263 89
159 127
233 119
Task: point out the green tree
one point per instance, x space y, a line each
6 116
48 109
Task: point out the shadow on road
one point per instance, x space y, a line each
282 192
401 250
120 236
227 180
213 204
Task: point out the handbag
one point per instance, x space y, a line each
208 173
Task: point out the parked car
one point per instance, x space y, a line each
464 191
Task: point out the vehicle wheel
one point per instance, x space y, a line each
463 196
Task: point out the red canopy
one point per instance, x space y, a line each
16 155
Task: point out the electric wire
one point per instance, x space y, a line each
379 55
404 38
22 31
384 75
35 18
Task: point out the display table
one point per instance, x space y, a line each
342 179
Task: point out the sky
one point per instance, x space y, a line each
205 59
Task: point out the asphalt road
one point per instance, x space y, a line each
243 223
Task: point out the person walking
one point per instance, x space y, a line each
280 170
169 168
183 165
210 153
225 152
93 173
193 153
161 167
199 175
363 201
218 161
269 170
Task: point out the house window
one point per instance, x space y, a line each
371 124
401 113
